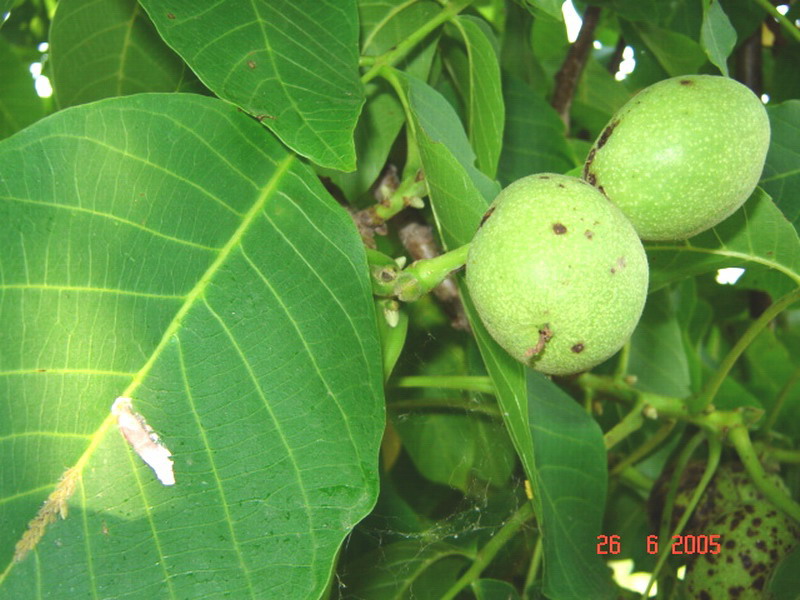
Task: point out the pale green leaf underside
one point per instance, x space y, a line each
103 48
292 63
168 248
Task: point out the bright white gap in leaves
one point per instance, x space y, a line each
572 20
729 276
144 441
783 8
624 576
627 65
764 98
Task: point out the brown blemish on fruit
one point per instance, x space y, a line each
704 595
545 335
589 234
606 134
559 228
577 348
486 215
735 591
591 178
758 583
561 185
544 177
747 562
686 82
602 190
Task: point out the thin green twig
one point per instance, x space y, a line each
790 27
713 384
467 383
489 551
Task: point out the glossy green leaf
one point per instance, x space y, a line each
757 235
405 570
550 7
570 491
717 35
534 140
459 195
477 76
292 64
597 98
781 177
657 356
783 584
19 104
166 248
102 48
678 54
457 449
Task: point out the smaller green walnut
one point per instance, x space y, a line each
681 155
557 274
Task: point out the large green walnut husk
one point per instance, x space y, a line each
557 274
681 155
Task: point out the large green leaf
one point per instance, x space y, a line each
781 177
677 53
291 63
534 140
570 491
476 73
757 236
168 249
657 356
102 48
19 104
459 195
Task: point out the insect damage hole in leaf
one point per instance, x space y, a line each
144 441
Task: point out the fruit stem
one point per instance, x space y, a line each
713 384
740 437
714 453
627 425
402 49
486 554
785 22
467 383
422 276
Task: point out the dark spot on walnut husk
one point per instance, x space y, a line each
606 134
686 82
591 178
757 522
602 190
577 348
589 160
544 177
545 334
559 228
735 591
613 270
561 185
749 508
589 234
621 262
747 561
730 544
486 215
704 595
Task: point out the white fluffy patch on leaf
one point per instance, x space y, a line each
144 441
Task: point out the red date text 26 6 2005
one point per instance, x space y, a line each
681 544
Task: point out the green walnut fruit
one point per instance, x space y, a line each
753 539
681 155
557 274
